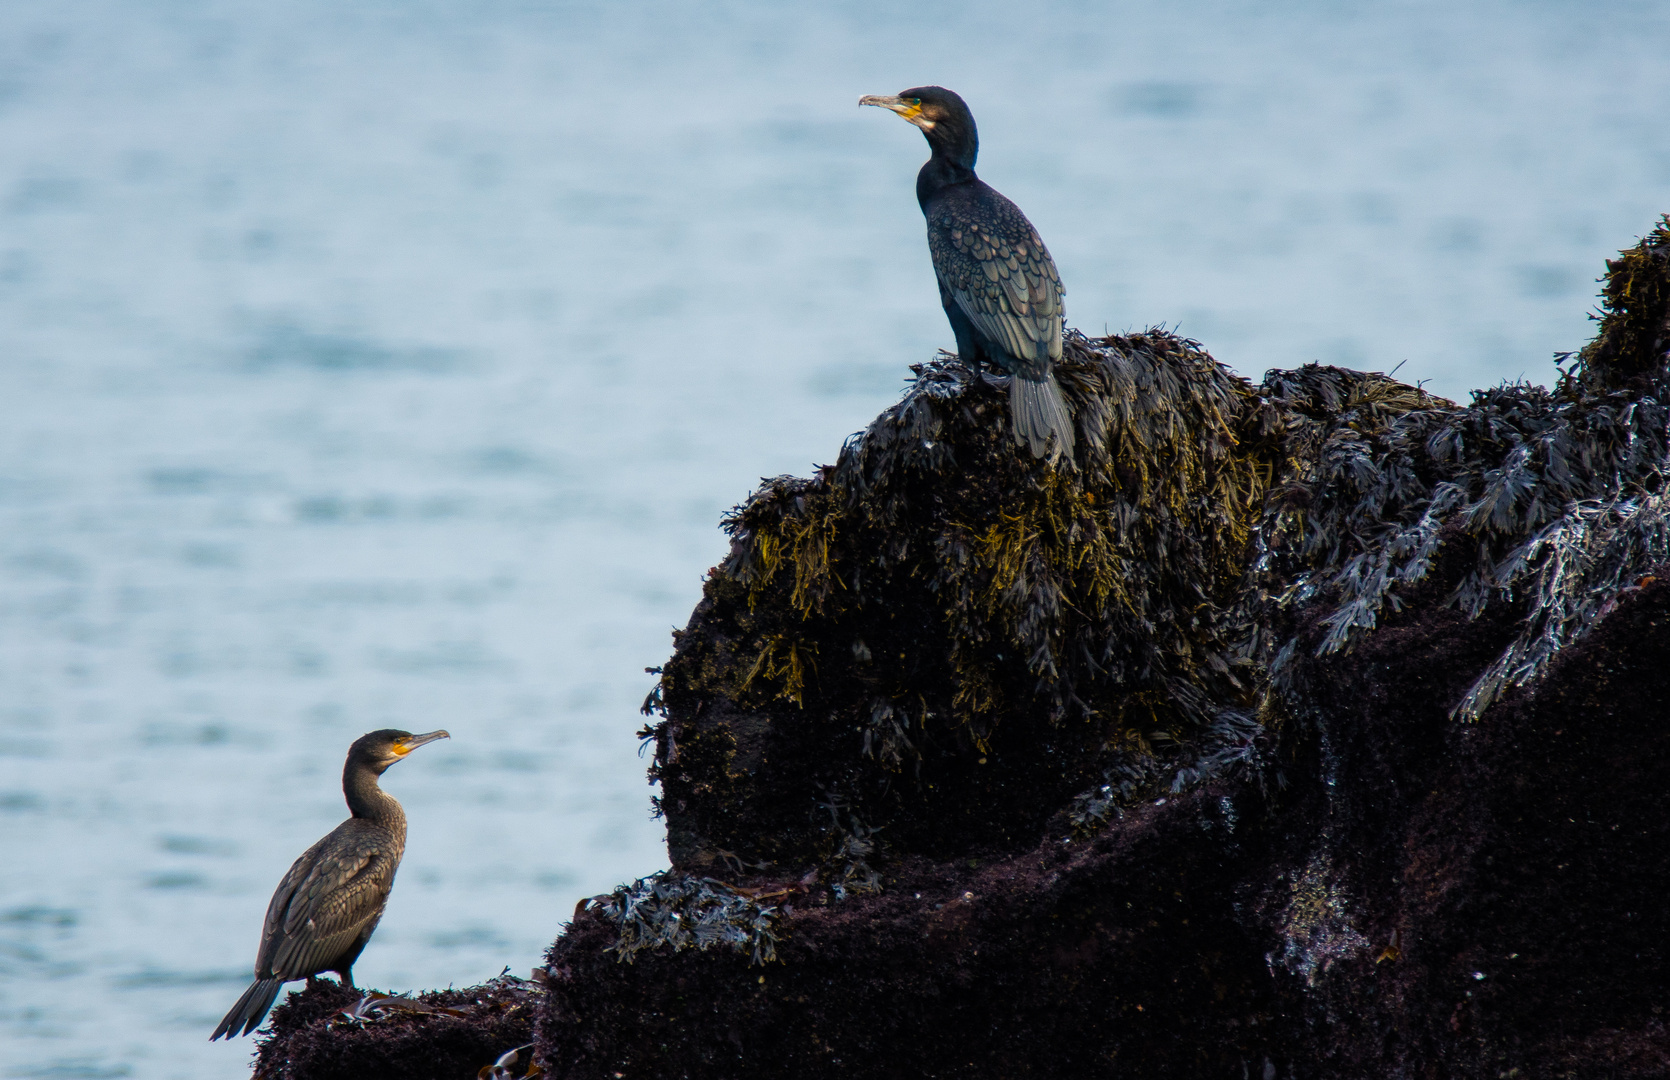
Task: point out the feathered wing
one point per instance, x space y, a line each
325 904
994 266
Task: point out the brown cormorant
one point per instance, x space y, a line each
328 904
997 282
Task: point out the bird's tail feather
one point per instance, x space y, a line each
250 1010
1039 411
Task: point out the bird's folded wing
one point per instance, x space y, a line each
272 930
1007 286
322 904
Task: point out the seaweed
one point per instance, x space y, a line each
1317 929
1556 492
935 621
681 911
1629 347
938 614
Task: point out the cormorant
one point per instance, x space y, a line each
997 282
328 904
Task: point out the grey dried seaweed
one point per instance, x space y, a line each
1558 491
1556 495
682 911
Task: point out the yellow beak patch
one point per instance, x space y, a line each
908 108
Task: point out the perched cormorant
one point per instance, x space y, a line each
997 282
327 905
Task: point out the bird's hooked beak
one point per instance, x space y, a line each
909 108
405 746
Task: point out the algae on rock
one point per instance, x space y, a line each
1557 492
938 623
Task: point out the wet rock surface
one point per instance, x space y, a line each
1311 728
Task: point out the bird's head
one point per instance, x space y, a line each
943 117
380 749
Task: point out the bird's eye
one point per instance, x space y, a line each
915 101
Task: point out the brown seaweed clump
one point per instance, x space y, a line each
937 644
937 641
1634 336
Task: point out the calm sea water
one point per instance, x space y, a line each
390 364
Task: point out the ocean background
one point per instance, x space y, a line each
391 363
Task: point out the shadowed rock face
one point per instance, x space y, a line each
1518 858
1313 728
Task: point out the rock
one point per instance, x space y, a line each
330 1030
1311 728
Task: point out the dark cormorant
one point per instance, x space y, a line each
328 904
997 281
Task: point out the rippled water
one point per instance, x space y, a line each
391 364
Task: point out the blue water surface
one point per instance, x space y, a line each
391 363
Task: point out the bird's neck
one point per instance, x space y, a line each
939 173
366 799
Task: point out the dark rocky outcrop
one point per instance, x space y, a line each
1315 728
329 1030
1426 899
